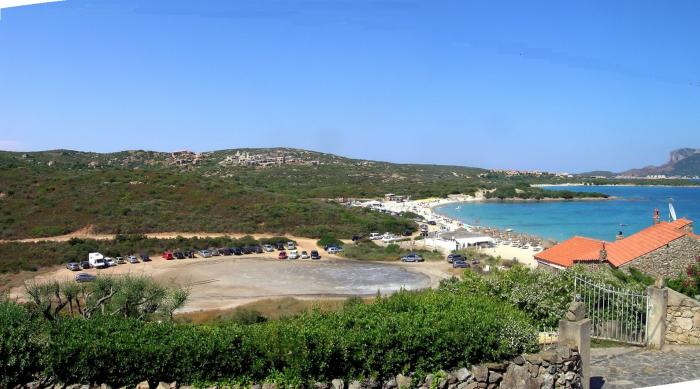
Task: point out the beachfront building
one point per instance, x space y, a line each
462 239
664 249
396 198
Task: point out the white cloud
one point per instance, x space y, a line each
10 145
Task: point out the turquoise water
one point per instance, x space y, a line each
561 220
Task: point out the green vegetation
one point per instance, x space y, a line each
368 250
408 331
688 283
329 239
524 191
541 294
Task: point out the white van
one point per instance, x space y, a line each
97 260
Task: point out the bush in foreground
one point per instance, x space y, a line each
409 331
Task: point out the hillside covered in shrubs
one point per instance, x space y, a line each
56 192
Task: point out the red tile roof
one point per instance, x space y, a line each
577 248
645 241
580 249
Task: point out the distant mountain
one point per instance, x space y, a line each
681 162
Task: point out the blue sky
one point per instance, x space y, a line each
564 86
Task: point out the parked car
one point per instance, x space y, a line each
189 253
214 251
120 261
459 264
236 251
145 258
225 251
452 257
282 255
84 277
279 246
375 236
314 255
268 248
85 265
334 250
293 254
133 259
204 254
179 254
356 238
412 257
304 255
74 266
110 262
167 255
432 222
407 232
257 249
291 245
247 250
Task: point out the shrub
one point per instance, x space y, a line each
329 239
20 345
408 331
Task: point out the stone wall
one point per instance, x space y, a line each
554 367
682 319
670 260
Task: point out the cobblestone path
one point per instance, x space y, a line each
632 367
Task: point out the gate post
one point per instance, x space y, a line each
656 316
575 331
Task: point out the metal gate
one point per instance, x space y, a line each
616 314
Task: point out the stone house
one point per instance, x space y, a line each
664 249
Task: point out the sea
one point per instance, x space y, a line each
632 210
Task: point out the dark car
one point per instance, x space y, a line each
236 251
412 257
279 246
460 265
189 253
407 232
432 222
85 264
257 249
84 277
74 266
179 255
145 258
225 251
314 254
454 257
355 238
247 250
282 255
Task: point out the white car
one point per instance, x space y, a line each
334 250
110 262
304 255
389 238
293 254
374 236
291 245
268 248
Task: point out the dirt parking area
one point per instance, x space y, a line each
229 281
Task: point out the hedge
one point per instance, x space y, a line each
409 331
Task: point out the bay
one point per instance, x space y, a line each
631 211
